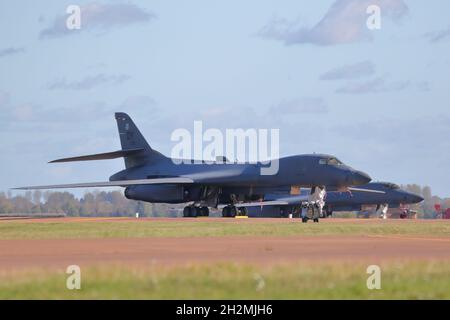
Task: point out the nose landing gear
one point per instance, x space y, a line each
312 210
382 210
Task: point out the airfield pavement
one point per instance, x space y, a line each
182 250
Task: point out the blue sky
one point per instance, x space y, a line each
379 100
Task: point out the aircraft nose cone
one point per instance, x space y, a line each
417 198
360 178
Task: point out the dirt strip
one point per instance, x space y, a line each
177 251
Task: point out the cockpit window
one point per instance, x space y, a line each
390 185
334 161
330 161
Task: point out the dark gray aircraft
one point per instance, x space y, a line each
152 177
385 195
393 197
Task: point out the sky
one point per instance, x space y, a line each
377 99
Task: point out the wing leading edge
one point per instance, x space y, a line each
295 200
101 156
120 183
366 190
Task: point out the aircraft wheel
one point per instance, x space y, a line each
242 212
233 212
186 212
195 212
204 211
310 212
225 212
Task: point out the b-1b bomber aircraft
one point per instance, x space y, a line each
152 177
383 196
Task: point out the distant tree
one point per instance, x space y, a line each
6 206
37 196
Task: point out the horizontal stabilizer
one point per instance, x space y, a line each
101 156
121 183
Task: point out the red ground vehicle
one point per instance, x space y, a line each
446 214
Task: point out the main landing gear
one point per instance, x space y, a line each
313 209
233 211
193 212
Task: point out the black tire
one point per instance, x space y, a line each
186 212
310 212
304 220
316 220
204 211
243 212
225 212
233 212
315 213
195 212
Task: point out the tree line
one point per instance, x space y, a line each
96 203
426 209
114 203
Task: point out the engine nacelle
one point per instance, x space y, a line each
156 193
162 193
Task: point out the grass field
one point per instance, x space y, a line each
425 280
202 228
325 279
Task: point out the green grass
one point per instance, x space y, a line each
202 228
325 280
415 280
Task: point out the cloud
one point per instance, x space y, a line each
4 98
138 101
345 22
23 112
89 82
141 106
353 71
380 84
10 51
437 36
408 133
300 106
102 17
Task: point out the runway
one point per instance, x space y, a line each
15 254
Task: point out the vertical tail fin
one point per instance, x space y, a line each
131 138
